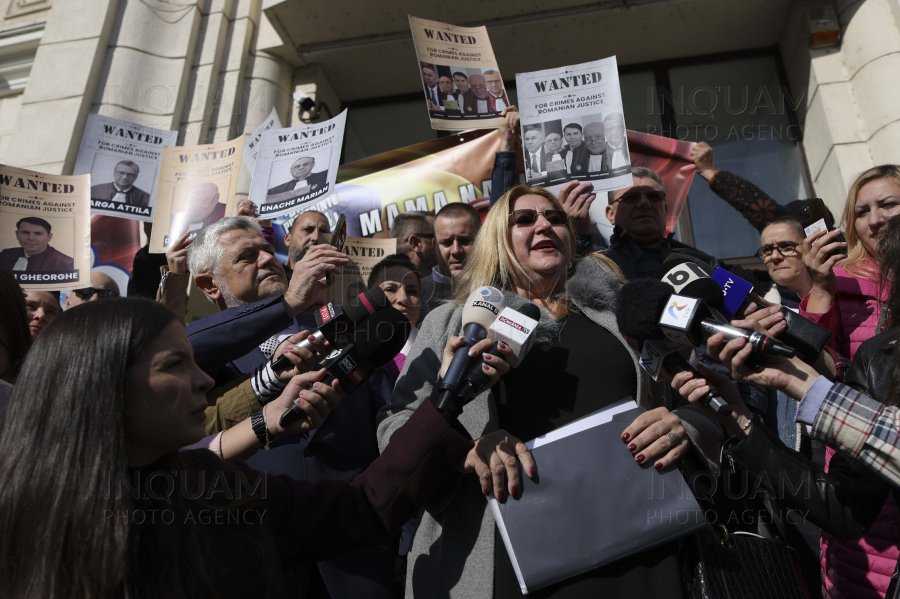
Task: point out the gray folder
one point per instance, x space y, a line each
591 503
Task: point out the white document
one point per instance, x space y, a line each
574 112
123 159
296 167
251 144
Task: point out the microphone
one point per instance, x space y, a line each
513 326
802 334
761 344
480 310
335 322
637 309
374 342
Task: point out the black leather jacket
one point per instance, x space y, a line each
846 500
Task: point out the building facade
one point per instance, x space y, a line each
797 120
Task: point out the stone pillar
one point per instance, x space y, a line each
847 94
67 67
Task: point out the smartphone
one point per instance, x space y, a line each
814 216
337 240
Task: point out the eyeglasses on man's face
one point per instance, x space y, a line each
634 196
88 292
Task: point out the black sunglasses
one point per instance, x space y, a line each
88 292
633 197
525 217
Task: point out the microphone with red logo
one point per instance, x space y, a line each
373 343
336 323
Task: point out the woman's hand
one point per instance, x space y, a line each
820 256
509 132
648 437
176 255
576 199
766 320
693 390
494 366
315 403
495 458
302 360
792 376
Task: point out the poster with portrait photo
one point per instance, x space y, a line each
462 84
297 166
196 188
573 126
45 228
123 159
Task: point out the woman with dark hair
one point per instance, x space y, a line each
15 339
580 363
397 276
96 500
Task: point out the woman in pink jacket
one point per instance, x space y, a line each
846 298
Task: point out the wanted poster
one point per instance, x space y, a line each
45 228
364 253
196 188
123 160
251 144
462 84
573 126
297 166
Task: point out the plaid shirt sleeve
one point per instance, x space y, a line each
862 429
841 364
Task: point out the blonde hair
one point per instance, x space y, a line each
858 257
492 261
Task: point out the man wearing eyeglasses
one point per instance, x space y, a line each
781 252
414 232
639 243
102 287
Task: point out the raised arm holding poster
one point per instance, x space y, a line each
123 160
196 188
573 126
45 228
463 86
251 144
296 166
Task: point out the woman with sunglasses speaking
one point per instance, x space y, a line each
579 363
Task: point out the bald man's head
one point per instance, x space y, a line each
614 125
201 201
478 87
595 138
99 282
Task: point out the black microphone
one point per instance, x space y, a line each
638 308
801 334
374 342
336 322
517 333
480 310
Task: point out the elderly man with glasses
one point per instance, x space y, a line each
639 243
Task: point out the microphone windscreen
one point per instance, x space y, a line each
706 289
382 335
639 306
530 310
676 258
365 304
482 307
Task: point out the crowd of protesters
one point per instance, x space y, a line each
144 456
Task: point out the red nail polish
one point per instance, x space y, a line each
658 465
625 436
531 473
499 495
515 491
639 458
632 447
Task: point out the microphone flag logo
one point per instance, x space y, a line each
674 306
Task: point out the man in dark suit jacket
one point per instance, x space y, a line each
303 180
35 254
122 188
536 157
257 305
593 159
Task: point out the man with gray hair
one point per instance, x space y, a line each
639 243
236 269
414 232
